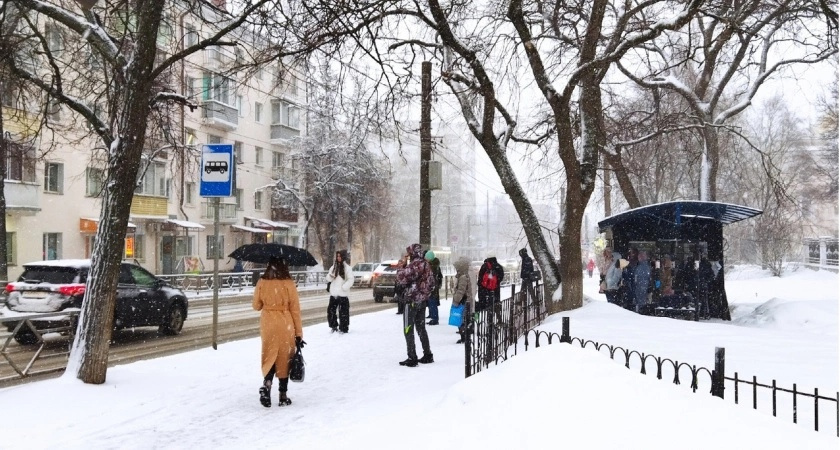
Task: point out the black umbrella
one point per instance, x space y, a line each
261 253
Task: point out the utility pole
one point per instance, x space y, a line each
425 155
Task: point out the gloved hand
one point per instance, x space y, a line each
299 341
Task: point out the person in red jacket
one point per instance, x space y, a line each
590 267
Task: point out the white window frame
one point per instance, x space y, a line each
94 181
54 173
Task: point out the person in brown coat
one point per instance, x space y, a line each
276 297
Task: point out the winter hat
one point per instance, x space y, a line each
415 250
490 254
523 252
430 255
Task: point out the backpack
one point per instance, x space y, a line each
489 280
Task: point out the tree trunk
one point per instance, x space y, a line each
709 164
624 181
4 151
92 343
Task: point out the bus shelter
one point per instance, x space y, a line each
686 231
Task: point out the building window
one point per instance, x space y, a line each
240 105
211 139
215 251
11 248
277 159
52 246
219 88
153 181
190 36
54 112
190 138
189 87
139 246
258 156
258 112
237 152
189 193
284 113
20 163
94 181
258 200
54 178
238 196
55 41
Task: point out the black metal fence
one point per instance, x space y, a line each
494 331
772 398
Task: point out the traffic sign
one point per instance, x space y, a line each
217 170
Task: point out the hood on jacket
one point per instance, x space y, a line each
462 265
415 250
616 256
523 252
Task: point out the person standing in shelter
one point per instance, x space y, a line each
705 278
628 280
463 293
341 280
526 274
415 276
590 267
612 279
434 298
604 263
641 282
276 297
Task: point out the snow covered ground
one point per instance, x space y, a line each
357 396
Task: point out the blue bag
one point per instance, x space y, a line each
456 315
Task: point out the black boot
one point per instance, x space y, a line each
265 393
427 359
284 384
410 362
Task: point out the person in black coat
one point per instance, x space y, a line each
526 274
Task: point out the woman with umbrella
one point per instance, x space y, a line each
276 297
341 280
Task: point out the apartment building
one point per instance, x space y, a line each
53 184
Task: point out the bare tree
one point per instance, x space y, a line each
340 178
719 64
101 63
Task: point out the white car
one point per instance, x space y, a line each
363 274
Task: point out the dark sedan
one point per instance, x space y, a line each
55 286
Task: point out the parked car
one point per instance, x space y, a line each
384 280
59 285
363 273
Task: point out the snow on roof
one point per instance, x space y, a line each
725 213
75 263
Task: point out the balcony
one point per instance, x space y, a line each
227 212
22 198
282 134
219 115
148 205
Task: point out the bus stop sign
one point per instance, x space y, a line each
217 170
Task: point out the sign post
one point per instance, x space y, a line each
217 170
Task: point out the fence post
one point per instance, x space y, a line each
718 375
468 328
565 337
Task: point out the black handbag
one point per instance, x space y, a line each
297 368
328 285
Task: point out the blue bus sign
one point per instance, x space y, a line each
217 170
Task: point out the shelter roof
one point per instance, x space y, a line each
682 211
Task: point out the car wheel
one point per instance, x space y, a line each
174 321
378 298
26 337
